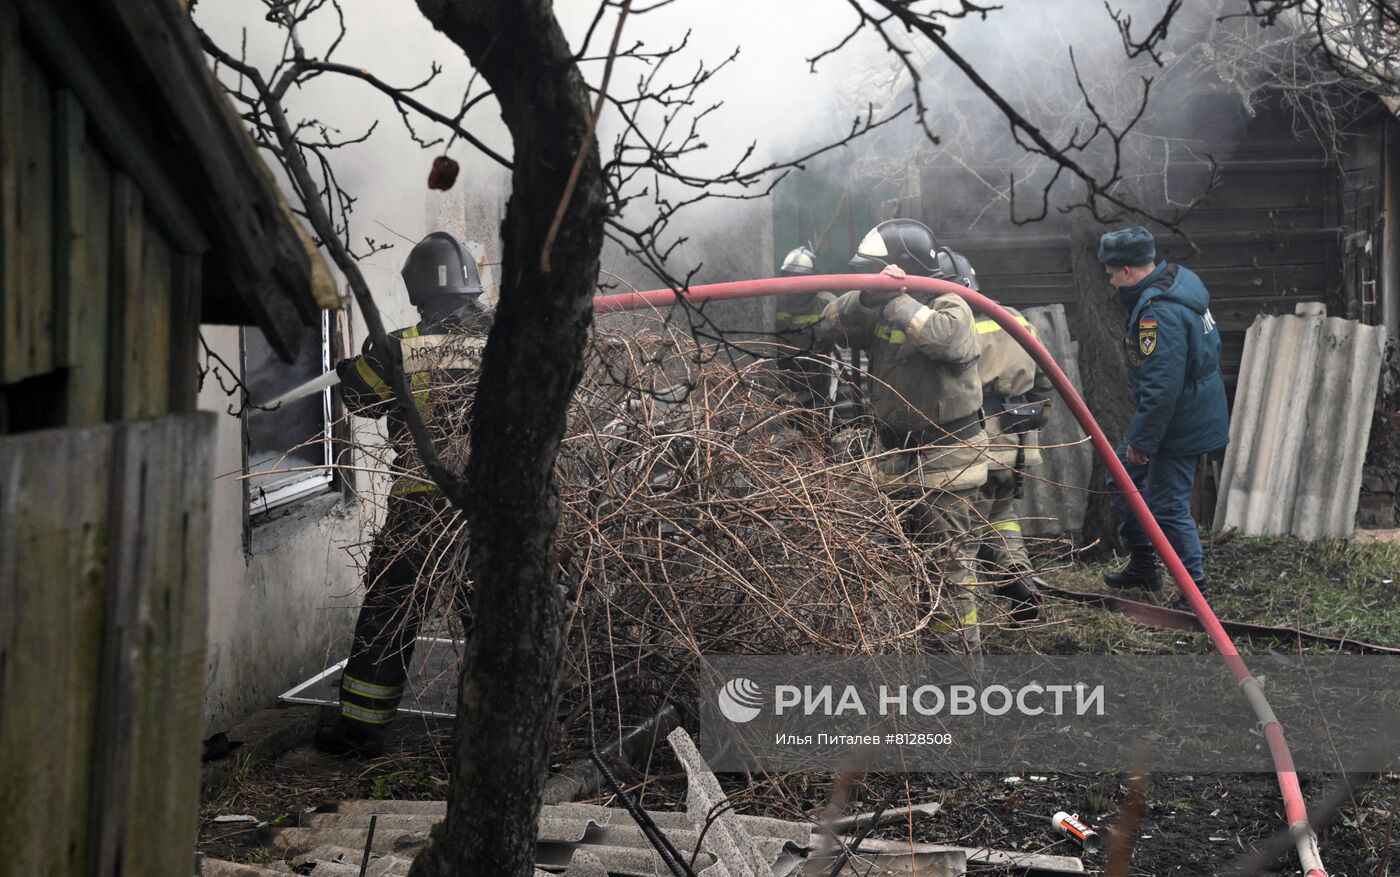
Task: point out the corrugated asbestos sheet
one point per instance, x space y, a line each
1056 491
1298 433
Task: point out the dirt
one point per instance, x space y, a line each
1191 824
1194 825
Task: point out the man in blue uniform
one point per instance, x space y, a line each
1172 349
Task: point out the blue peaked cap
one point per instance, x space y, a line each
1127 246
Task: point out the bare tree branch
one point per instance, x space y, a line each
449 482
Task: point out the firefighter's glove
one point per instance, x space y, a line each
879 298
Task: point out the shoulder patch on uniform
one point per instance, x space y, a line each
1148 323
1147 337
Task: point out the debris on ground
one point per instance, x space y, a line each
580 837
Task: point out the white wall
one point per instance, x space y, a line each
284 609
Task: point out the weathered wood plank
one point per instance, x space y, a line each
1304 282
168 463
1249 188
110 118
184 332
36 221
26 210
1006 859
11 147
152 336
127 227
82 261
112 758
70 219
53 544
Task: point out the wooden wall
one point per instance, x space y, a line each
105 476
104 536
98 310
1271 234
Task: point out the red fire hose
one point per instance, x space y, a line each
1296 810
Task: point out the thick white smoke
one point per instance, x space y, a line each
770 96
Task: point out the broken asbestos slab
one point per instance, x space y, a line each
587 840
981 857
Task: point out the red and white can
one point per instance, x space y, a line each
1070 826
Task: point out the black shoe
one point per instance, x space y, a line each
1025 600
1141 572
343 738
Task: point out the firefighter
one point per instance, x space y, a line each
439 356
1015 402
806 378
925 397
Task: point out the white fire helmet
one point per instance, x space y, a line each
800 260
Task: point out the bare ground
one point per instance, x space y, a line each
1191 824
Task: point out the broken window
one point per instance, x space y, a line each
287 450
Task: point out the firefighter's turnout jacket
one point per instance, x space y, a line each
1010 378
440 361
805 376
798 316
1012 386
925 387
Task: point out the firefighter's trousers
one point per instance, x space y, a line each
404 577
1003 549
941 489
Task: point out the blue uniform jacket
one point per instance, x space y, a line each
1173 353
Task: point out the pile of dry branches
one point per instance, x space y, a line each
704 514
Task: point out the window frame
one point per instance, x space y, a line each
260 503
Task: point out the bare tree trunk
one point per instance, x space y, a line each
1098 327
533 360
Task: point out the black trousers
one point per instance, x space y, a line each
414 559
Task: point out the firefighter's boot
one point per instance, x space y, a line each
348 737
1141 572
1024 595
368 703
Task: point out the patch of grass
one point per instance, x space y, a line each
406 779
387 787
227 785
1336 588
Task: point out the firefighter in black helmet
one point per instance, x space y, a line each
1015 402
805 377
925 397
440 356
